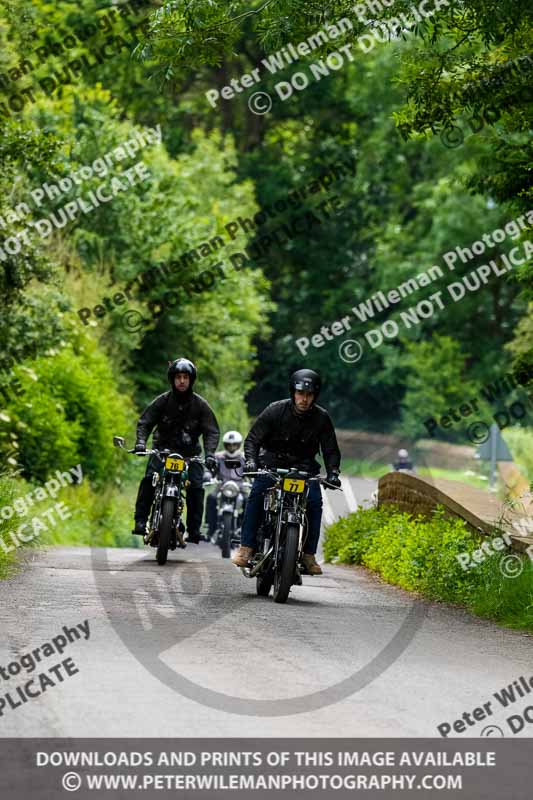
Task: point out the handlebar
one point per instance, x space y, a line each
278 474
162 453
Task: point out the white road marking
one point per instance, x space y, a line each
348 494
327 512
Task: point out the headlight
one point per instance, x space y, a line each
230 489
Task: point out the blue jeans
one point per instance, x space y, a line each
253 516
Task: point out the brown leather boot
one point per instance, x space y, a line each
243 556
311 565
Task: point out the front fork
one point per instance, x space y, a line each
164 490
275 544
171 490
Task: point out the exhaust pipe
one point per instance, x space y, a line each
251 573
257 567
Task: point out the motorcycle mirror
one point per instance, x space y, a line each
118 441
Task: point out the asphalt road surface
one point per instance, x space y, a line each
190 650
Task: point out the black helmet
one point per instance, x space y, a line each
181 365
305 380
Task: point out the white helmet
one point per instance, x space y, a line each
403 454
232 441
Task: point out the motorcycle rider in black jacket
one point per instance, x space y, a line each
180 417
289 433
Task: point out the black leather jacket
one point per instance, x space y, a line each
179 422
282 438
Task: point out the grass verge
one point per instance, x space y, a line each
7 556
91 517
420 554
370 469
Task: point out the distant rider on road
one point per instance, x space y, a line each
289 434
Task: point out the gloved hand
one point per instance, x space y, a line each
333 479
211 464
250 465
140 447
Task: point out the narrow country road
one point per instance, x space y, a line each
190 650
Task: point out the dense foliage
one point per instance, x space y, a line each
420 554
398 110
78 81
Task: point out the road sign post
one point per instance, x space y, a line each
494 450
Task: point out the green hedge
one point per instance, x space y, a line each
67 410
420 554
8 493
96 517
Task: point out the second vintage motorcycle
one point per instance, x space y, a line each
231 497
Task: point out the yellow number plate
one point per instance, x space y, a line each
175 464
291 485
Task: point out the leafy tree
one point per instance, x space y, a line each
437 380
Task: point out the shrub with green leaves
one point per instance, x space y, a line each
67 411
420 554
7 494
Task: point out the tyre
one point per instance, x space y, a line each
165 530
285 573
227 520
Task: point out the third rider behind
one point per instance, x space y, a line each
232 442
288 434
179 417
403 463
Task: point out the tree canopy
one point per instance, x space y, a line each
243 233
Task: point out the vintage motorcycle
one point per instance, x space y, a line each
165 527
282 535
231 497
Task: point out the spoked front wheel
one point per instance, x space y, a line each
165 530
284 576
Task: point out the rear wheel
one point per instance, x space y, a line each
264 583
165 530
285 573
226 534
